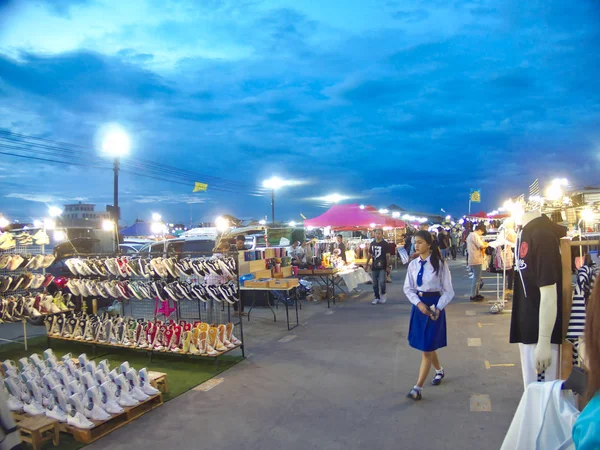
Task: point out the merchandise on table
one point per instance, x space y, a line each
16 308
183 337
76 393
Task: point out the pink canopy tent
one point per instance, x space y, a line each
388 221
479 215
347 216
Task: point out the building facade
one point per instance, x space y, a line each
83 214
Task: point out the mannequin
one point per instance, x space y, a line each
535 323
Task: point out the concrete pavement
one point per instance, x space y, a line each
339 382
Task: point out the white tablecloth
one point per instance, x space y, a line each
354 277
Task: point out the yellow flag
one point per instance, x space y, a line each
476 196
200 187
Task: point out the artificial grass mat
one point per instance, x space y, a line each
183 373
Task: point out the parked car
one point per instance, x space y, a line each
196 245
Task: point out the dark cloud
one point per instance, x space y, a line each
79 76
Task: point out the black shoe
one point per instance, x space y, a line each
475 299
480 297
415 394
437 380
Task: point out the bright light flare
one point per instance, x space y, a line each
334 198
158 228
4 222
383 211
587 215
36 224
60 235
49 224
275 183
395 215
222 224
156 217
115 141
292 224
108 225
262 222
54 211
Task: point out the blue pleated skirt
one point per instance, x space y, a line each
425 334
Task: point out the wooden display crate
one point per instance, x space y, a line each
256 266
104 427
305 272
265 273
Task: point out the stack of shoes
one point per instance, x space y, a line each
80 396
176 337
175 290
126 267
16 261
16 308
7 241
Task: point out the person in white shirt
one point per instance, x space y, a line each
475 248
428 286
297 253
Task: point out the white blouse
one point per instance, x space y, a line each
432 282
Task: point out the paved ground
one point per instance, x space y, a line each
339 382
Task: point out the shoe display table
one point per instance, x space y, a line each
293 295
38 429
326 278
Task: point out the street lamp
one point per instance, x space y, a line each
334 198
273 184
115 144
156 217
54 211
4 222
221 224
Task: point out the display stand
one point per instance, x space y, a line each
294 294
208 311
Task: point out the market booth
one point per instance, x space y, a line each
330 270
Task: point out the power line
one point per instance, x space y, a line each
136 165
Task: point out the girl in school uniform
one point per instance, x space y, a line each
428 286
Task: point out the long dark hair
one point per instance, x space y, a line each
436 256
592 342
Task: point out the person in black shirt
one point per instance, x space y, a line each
341 246
378 252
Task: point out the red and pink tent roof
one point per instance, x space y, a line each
346 216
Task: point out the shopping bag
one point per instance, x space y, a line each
403 254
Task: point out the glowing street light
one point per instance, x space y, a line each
158 228
37 224
274 183
292 224
156 217
4 222
383 211
362 206
395 214
554 192
333 198
49 224
115 144
60 235
262 222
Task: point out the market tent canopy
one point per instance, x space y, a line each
341 216
137 229
479 215
387 220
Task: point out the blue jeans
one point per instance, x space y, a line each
476 280
378 281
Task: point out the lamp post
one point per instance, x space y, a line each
273 184
116 144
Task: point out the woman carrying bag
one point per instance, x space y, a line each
428 286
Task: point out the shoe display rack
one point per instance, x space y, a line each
87 400
180 304
23 280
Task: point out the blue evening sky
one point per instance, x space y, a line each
406 102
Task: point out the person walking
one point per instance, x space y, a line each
428 286
444 243
378 252
454 241
475 248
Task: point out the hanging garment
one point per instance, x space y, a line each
586 277
544 419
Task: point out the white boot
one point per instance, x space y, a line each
83 360
145 383
34 406
100 377
88 381
104 366
109 401
75 417
93 409
124 368
58 409
134 386
15 397
91 367
122 394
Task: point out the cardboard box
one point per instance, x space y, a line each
286 271
278 284
244 268
265 273
305 272
255 266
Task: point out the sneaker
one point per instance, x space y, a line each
475 299
375 301
382 300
